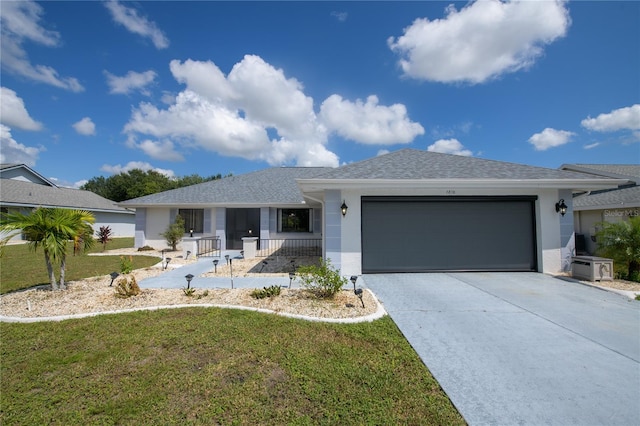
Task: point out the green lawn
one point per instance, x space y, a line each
214 366
22 268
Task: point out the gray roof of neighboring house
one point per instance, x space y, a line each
274 186
21 193
627 195
414 164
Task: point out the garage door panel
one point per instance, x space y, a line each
427 234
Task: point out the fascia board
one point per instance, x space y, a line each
211 205
47 206
308 185
607 207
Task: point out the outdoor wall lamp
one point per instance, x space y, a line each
343 208
291 277
561 207
114 275
166 264
215 266
189 277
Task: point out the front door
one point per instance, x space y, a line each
241 223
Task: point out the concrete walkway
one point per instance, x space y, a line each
175 278
521 348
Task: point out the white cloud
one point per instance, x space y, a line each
255 112
130 82
129 18
382 152
592 145
449 146
144 166
160 150
20 22
85 127
12 151
481 41
340 16
67 184
367 122
550 138
619 119
13 112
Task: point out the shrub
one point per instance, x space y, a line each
188 291
126 264
323 281
621 242
104 236
146 248
174 233
127 286
271 291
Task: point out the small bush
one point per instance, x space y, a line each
146 248
323 281
271 291
127 286
188 291
104 235
126 264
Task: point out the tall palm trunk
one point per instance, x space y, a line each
63 265
52 276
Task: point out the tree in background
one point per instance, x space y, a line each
620 241
137 183
174 232
51 229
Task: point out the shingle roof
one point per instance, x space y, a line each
627 171
274 186
419 164
614 198
17 192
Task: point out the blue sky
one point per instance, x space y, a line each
96 88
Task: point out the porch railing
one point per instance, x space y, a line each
289 247
209 246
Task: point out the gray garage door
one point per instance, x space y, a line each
421 234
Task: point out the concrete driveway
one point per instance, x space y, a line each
521 348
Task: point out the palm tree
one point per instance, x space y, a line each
621 242
51 229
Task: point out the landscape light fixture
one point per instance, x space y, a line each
343 208
264 263
242 253
354 278
291 277
226 256
191 232
358 293
561 207
215 266
189 277
188 253
114 275
231 271
166 262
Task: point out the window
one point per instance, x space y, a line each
193 219
294 220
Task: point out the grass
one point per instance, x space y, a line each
22 268
214 366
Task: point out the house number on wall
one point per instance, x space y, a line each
450 192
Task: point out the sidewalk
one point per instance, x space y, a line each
175 278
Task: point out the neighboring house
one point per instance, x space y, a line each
407 211
607 205
22 189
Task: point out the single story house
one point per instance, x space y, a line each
406 211
605 205
23 189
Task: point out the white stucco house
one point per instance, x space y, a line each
406 211
606 205
23 189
